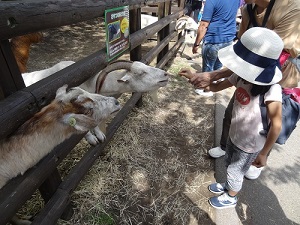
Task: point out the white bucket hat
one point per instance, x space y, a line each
255 57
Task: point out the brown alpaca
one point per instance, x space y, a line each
20 47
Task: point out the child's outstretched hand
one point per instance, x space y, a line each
186 73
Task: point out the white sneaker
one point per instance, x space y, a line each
253 172
204 93
216 152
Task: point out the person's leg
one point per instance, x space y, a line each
219 151
240 162
196 15
207 66
188 6
219 188
226 123
228 197
218 65
209 56
197 5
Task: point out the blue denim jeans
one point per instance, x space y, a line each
210 60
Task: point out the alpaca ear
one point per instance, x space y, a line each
80 122
61 91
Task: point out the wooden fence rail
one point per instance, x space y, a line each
19 17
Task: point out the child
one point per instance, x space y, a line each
254 61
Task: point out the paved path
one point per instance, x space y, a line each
272 199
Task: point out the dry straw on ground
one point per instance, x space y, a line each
156 170
155 164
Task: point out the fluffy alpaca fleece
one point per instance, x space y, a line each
75 111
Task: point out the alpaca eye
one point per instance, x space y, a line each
89 112
75 99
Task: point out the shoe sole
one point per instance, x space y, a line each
251 178
224 207
215 157
221 192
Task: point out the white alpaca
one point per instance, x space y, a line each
117 78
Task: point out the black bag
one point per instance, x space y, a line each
290 117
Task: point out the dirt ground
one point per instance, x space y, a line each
157 169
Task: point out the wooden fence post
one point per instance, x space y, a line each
49 187
136 53
135 25
164 9
10 76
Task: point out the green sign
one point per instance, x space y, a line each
117 31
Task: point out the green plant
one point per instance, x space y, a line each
102 219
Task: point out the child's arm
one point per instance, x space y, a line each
203 79
219 86
274 110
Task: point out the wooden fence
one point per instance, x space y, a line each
20 102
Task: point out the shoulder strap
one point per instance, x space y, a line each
263 111
251 11
268 12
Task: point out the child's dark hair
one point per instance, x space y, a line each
257 89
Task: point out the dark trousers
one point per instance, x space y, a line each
226 123
194 6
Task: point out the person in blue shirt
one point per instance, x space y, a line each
217 29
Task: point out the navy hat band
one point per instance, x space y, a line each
269 65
